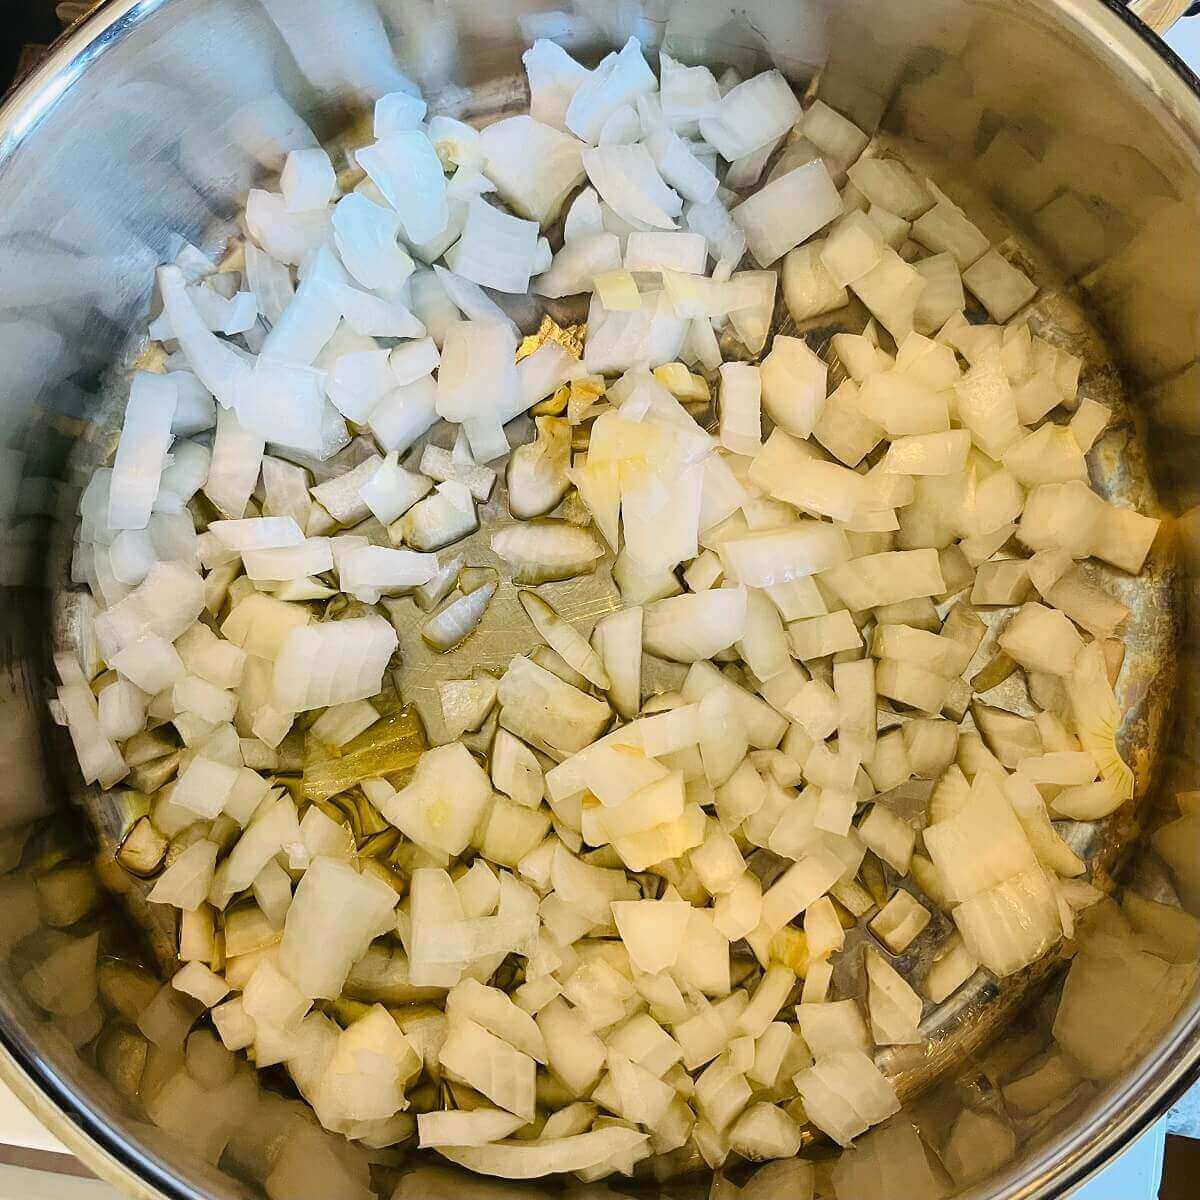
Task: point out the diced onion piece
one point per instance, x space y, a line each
551 1156
495 249
629 182
406 169
694 627
1011 924
618 80
332 663
788 211
1000 287
750 115
793 385
458 620
891 290
561 636
617 291
890 184
145 439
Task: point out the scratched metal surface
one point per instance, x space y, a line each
977 1012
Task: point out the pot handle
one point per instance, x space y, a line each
1160 15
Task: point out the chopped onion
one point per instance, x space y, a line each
406 169
534 166
787 211
750 115
495 249
628 180
619 79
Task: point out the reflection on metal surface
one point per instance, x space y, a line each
1056 110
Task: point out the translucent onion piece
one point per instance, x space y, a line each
618 80
554 78
366 236
788 211
406 169
495 249
628 180
534 166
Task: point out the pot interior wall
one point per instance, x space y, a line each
1061 113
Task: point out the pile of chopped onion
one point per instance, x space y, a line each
607 942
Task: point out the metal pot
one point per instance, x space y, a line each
149 122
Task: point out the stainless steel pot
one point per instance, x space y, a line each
149 122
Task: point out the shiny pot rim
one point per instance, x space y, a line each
1059 1167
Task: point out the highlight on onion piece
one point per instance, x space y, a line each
596 930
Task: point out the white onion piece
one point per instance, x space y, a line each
373 316
432 305
686 93
750 115
478 373
369 571
366 236
534 166
310 319
891 290
217 364
270 281
680 168
335 915
584 218
475 1128
308 180
406 169
285 404
576 265
404 414
533 1159
413 360
99 759
752 313
474 302
458 620
628 181
195 409
445 517
741 408
543 372
618 341
618 80
457 145
397 112
787 211
392 490
332 663
726 240
312 557
694 627
554 78
236 460
621 128
358 381
141 452
662 519
839 140
564 638
793 386
495 249
891 185
666 251
288 237
999 286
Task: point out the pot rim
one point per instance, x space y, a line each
1058 1169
